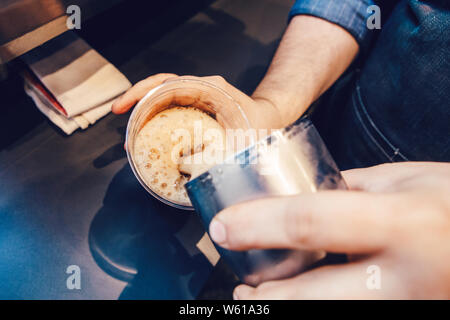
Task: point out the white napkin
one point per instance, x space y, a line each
68 125
71 83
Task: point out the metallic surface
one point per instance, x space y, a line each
288 162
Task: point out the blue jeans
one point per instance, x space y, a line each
396 105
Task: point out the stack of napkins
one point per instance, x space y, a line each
71 83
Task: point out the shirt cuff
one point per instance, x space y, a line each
349 14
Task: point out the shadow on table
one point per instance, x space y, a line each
136 238
114 153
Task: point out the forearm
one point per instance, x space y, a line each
311 57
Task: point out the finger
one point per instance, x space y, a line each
391 176
207 101
138 91
218 81
374 178
244 103
334 221
360 280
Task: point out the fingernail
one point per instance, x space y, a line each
242 292
218 232
115 103
113 106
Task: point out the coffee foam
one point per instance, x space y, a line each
168 150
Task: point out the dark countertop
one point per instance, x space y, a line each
74 201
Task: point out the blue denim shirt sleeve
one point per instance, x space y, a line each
349 14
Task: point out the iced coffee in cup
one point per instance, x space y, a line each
178 131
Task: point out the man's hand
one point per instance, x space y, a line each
396 217
261 113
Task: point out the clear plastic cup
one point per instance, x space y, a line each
182 93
